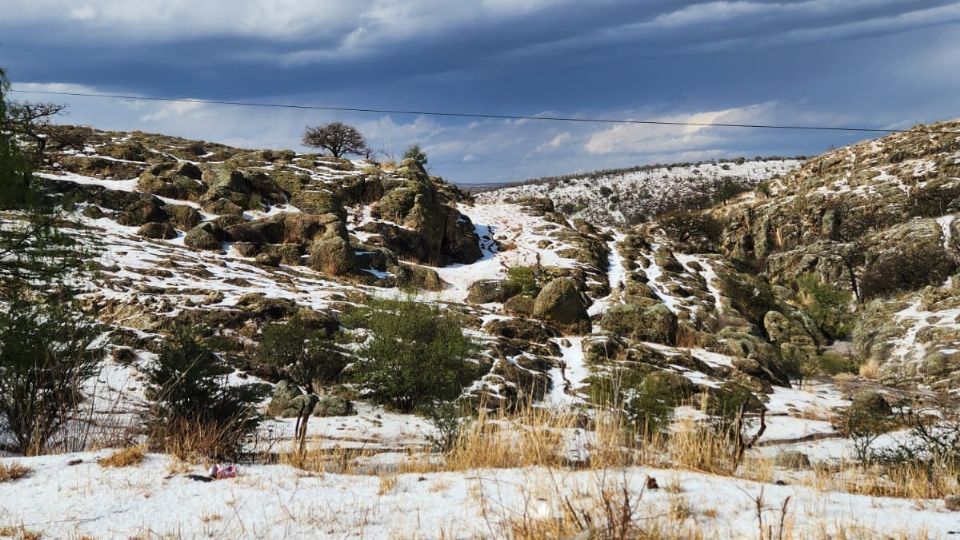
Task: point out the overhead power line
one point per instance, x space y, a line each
479 115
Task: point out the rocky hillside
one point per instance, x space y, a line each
877 219
233 239
837 273
627 196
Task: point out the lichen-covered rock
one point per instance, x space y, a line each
182 216
223 207
520 305
486 291
163 231
643 322
560 303
521 329
334 405
421 277
146 209
206 236
332 256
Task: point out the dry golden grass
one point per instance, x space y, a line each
19 533
870 370
125 457
906 481
13 471
387 483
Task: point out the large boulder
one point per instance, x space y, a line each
183 216
332 256
163 231
206 236
146 209
561 303
644 322
485 291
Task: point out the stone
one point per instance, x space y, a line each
332 256
334 405
163 231
486 291
223 207
146 209
520 305
206 236
952 503
644 322
560 302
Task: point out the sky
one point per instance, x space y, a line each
869 63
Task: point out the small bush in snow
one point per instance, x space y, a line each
195 409
418 354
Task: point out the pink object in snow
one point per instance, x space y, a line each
220 472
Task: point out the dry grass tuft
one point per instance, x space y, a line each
19 533
125 457
870 370
13 471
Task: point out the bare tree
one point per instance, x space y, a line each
337 138
31 120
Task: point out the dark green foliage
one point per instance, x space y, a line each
416 153
605 191
449 418
46 353
337 138
527 278
827 305
726 404
418 354
47 348
302 353
867 417
189 391
695 228
649 405
750 295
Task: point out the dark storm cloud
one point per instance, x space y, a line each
873 62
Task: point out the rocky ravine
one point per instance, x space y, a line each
206 234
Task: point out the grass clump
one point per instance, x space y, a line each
125 457
13 471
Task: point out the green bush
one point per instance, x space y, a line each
867 417
193 404
302 353
827 305
416 153
525 277
649 405
833 363
418 354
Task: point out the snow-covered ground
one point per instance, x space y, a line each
157 500
642 192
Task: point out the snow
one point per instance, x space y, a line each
119 185
279 501
572 375
513 227
654 272
646 191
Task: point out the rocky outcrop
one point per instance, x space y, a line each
486 291
650 321
562 304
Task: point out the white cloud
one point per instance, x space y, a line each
553 144
658 139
